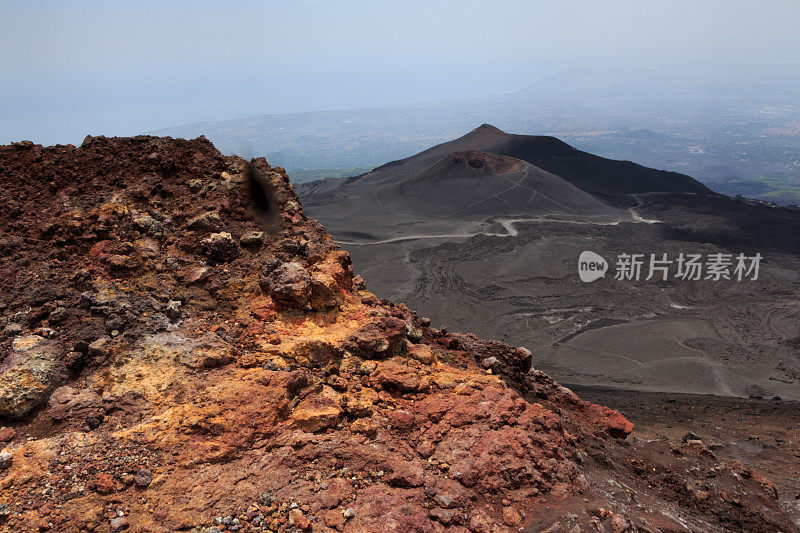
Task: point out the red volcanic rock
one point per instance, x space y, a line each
396 376
290 285
402 472
7 434
103 483
191 383
617 425
380 337
365 425
402 419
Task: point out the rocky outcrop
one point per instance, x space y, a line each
185 350
291 284
30 371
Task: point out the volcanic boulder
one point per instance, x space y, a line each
33 368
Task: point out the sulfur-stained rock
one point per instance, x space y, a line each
210 221
252 238
315 353
33 368
365 426
336 264
360 403
421 352
318 411
325 291
206 351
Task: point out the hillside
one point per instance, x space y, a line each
184 349
607 179
488 242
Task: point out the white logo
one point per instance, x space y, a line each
591 266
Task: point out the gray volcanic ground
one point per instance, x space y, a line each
483 234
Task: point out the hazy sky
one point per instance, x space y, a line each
71 67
